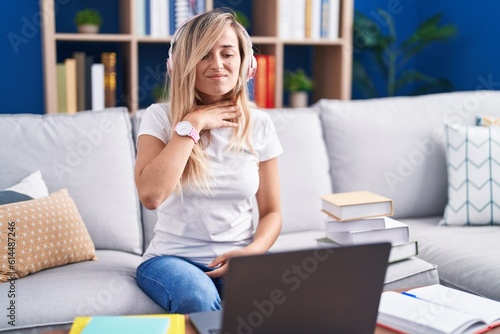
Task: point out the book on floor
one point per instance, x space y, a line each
437 309
395 232
335 225
398 252
356 204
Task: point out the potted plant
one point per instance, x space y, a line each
382 51
160 93
88 21
298 84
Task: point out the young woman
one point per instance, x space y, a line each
201 159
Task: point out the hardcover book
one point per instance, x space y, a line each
398 252
373 223
394 232
356 204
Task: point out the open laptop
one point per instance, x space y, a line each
324 290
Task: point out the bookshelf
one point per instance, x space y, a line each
331 60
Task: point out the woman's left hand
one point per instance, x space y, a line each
220 263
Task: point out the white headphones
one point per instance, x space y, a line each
252 67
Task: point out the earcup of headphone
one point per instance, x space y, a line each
169 65
252 68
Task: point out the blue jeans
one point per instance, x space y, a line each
179 285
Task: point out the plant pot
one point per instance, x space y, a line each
88 29
298 100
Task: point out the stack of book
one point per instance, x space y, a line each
309 19
364 217
161 18
85 85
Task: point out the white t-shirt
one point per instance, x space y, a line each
201 227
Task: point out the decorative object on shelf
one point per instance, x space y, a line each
298 84
160 93
390 59
243 19
88 21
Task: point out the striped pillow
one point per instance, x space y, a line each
473 160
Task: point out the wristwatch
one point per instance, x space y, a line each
185 129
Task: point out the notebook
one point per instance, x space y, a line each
322 290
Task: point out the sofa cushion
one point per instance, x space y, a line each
9 196
303 168
466 257
89 153
395 146
40 234
54 297
473 157
32 185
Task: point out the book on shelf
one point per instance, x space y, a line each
372 223
161 18
308 19
89 60
333 25
108 59
71 92
437 309
271 81
61 87
395 232
80 79
97 77
140 17
313 19
356 204
398 252
265 81
148 323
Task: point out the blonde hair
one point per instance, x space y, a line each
189 45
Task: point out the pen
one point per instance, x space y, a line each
409 294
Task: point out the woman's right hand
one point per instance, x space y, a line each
221 114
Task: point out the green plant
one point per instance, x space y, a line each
160 93
242 19
297 81
390 59
88 16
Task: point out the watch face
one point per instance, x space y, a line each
183 128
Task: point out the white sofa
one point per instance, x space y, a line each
332 146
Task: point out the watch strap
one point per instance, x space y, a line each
194 135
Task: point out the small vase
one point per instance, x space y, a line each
88 29
298 100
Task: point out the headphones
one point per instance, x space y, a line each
252 67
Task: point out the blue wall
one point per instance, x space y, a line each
21 83
470 60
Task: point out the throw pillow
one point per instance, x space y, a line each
484 120
32 186
8 196
42 233
473 159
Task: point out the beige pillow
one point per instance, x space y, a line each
42 233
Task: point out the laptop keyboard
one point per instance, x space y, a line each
214 331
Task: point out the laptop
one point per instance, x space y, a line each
323 290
